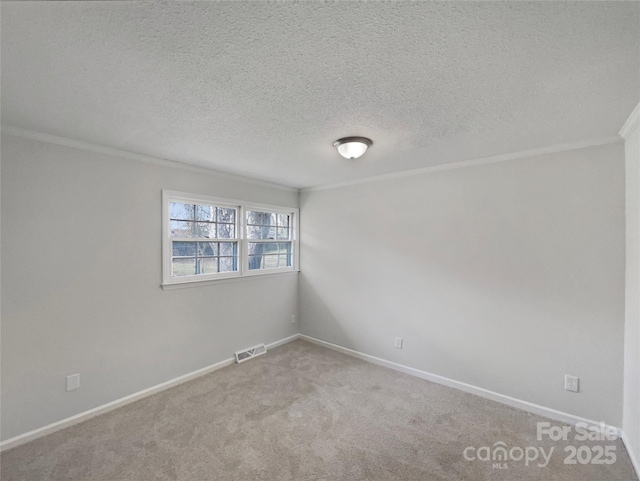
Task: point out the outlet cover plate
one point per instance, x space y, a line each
571 383
73 382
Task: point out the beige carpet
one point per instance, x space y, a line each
301 412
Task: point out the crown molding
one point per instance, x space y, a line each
631 124
125 154
594 142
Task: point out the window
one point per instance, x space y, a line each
192 228
269 240
206 239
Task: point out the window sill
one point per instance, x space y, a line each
228 280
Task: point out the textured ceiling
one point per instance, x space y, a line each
263 89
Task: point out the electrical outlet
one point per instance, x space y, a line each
293 318
398 342
571 383
73 382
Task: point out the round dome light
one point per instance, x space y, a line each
352 147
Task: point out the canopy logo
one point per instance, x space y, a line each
499 454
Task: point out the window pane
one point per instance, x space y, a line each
266 218
255 262
270 262
228 248
206 249
283 233
202 221
284 261
204 229
268 225
187 249
259 225
185 266
283 220
208 265
260 232
226 231
181 229
228 264
256 248
284 247
181 211
226 215
205 212
261 218
192 229
269 255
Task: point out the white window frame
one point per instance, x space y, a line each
294 244
243 271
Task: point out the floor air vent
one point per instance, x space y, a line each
250 352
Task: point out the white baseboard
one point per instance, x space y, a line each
105 408
478 391
632 455
485 393
283 341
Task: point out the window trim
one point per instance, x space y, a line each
243 271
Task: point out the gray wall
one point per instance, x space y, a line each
505 276
81 273
631 423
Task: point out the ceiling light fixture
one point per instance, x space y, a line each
352 147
